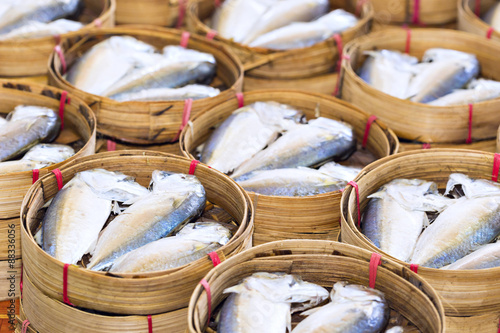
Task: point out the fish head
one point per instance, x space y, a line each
206 232
164 181
472 188
344 292
49 153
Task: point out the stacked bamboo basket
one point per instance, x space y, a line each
324 263
79 131
470 297
420 122
27 58
469 21
155 12
290 217
123 302
310 68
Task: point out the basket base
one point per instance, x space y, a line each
324 84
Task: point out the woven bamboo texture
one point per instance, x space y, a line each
323 84
464 292
416 121
147 293
292 64
484 145
147 122
103 145
290 217
155 12
430 12
29 57
10 234
324 263
80 124
10 276
468 20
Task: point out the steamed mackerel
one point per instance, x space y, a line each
354 309
80 209
194 241
486 256
26 127
38 157
262 303
246 132
175 200
319 140
34 29
193 91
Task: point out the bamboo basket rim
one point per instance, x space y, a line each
281 249
144 30
367 12
465 11
354 46
245 226
74 100
393 149
377 166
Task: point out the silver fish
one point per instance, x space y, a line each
395 329
246 132
283 13
43 11
175 53
38 157
78 212
305 34
194 241
492 16
389 71
472 220
26 127
291 182
395 215
262 303
193 91
346 173
34 29
321 139
485 256
175 200
354 309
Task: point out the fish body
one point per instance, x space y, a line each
175 200
175 53
466 96
291 182
26 127
34 29
193 91
486 256
319 140
193 242
19 166
246 132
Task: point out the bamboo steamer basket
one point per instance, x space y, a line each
28 57
104 145
47 315
79 122
155 12
285 65
324 263
147 122
323 84
279 217
430 12
469 22
137 294
484 145
465 293
416 121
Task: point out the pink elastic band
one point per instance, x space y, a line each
192 166
215 258
211 34
62 104
477 10
496 167
185 39
241 99
205 285
426 146
414 268
150 324
57 39
375 261
217 3
356 188
21 282
25 325
65 285
59 179
98 23
489 33
359 6
60 53
408 40
188 105
469 135
36 175
182 13
111 145
369 123
416 12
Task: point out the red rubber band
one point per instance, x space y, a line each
21 282
359 6
217 3
150 324
375 261
182 13
188 106
185 39
215 258
111 145
65 285
416 13
192 166
36 175
477 10
489 33
57 39
25 325
211 34
414 268
369 123
98 23
469 135
59 179
426 146
60 53
408 40
241 99
340 49
205 285
62 103
496 168
356 188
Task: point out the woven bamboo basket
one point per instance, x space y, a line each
290 217
324 263
79 127
323 84
484 145
155 12
144 294
470 22
425 12
147 122
104 145
29 57
284 65
416 121
464 293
